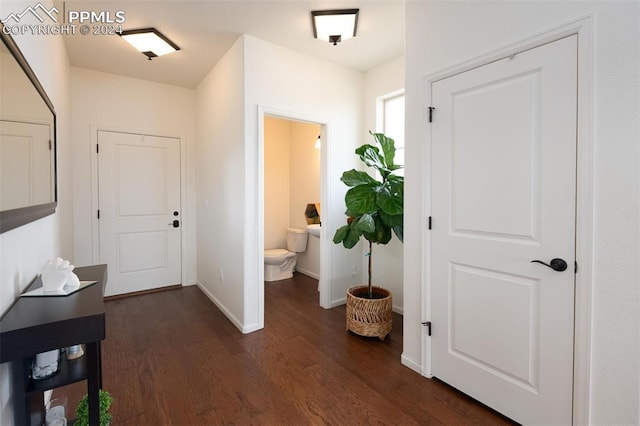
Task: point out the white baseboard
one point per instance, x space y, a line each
222 308
338 302
251 328
412 364
308 273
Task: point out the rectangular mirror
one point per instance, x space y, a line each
27 142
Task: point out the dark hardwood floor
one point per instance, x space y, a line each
173 358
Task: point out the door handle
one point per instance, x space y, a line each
175 223
555 264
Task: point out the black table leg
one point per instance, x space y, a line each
20 378
94 378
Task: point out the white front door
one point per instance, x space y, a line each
504 194
139 199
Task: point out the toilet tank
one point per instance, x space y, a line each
297 239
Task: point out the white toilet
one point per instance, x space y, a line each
279 263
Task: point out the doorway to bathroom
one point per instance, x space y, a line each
292 188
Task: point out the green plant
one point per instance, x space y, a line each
82 411
374 206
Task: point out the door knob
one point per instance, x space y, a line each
175 223
555 264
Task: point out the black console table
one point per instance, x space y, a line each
39 324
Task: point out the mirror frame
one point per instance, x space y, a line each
10 219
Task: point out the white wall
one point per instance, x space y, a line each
251 75
221 184
304 169
24 250
293 83
111 102
305 189
277 192
441 34
387 259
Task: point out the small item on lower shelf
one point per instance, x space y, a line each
56 412
74 352
45 364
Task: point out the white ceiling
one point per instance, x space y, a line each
205 30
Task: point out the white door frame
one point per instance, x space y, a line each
584 203
325 239
95 224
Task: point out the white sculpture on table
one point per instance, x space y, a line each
57 273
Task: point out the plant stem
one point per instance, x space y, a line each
370 253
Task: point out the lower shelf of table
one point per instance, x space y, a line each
69 371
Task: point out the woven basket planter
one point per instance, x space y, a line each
369 317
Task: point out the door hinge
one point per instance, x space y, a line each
429 222
98 213
97 149
428 325
575 266
50 148
431 114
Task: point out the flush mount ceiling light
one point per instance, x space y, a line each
150 42
335 26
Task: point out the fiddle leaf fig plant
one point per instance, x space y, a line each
374 206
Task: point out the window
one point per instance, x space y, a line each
391 122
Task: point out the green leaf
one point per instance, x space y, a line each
390 197
388 149
388 202
391 220
362 198
352 238
354 177
399 231
348 235
351 214
381 234
370 155
365 224
396 180
384 235
341 234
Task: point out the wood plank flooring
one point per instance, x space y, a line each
172 358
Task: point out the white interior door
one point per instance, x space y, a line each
504 179
26 164
139 199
